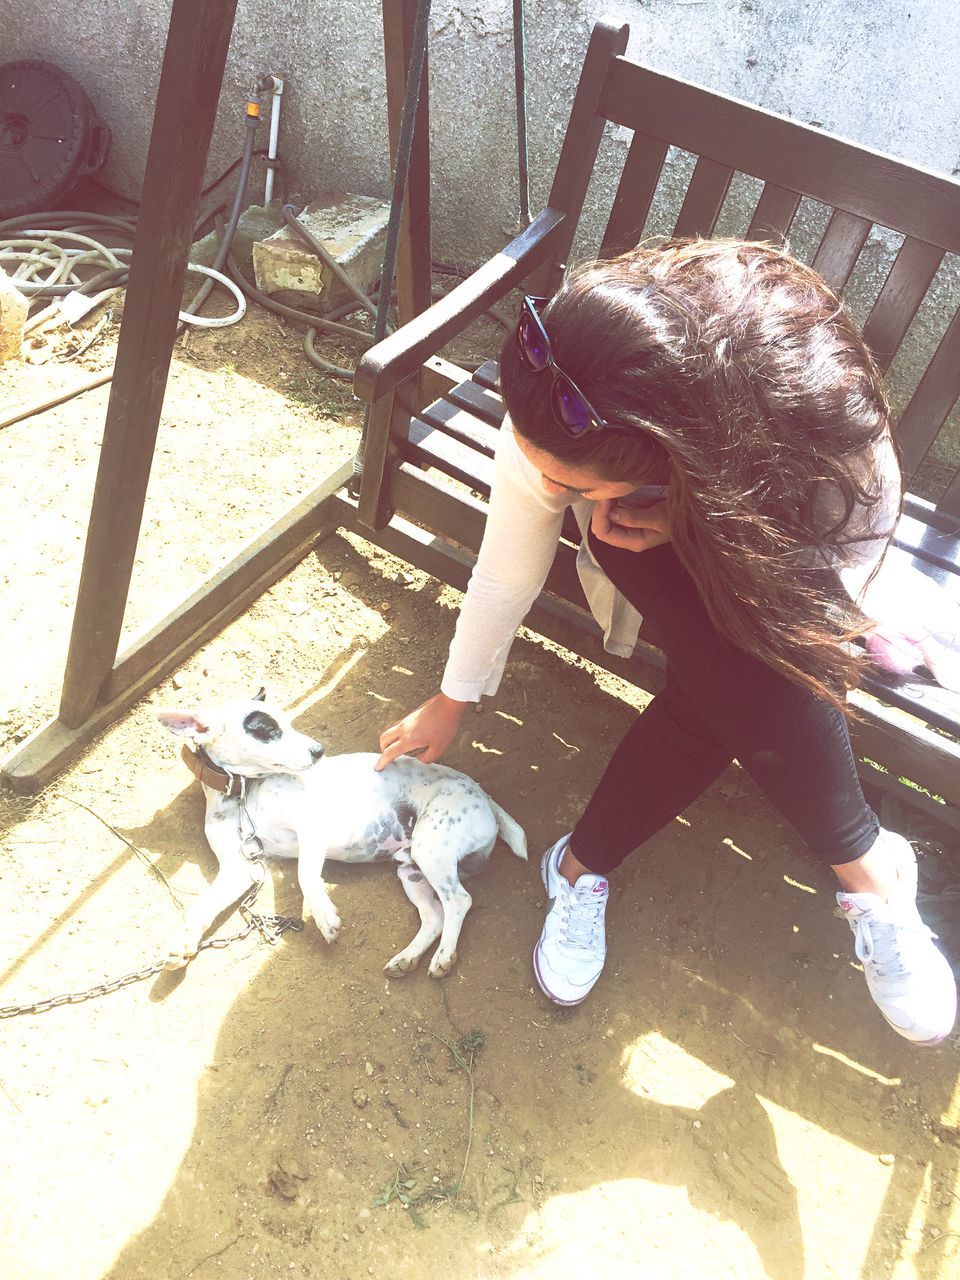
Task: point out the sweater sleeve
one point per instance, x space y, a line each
519 543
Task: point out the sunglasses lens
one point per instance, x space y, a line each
569 407
532 343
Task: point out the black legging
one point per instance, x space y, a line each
718 704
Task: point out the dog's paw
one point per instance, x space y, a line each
441 965
401 965
329 926
325 917
179 953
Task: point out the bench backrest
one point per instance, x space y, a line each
861 188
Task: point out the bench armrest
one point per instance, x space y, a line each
391 361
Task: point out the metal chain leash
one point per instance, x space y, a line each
270 928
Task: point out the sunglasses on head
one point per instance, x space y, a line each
571 408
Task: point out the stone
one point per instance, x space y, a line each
257 222
13 316
353 229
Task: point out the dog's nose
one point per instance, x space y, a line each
316 751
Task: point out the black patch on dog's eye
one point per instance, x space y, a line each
262 727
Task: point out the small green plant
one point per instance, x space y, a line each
403 1185
403 1188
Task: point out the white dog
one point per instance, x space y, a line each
268 789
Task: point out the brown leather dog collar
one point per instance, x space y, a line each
210 774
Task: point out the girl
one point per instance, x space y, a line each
728 375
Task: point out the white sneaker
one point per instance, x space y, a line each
908 976
569 957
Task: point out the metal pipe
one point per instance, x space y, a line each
274 86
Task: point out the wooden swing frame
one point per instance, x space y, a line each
426 413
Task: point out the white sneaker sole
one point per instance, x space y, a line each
541 983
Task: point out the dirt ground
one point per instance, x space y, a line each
727 1104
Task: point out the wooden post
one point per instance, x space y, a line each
190 81
414 281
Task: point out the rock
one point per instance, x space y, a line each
13 316
292 1165
257 222
351 228
282 1185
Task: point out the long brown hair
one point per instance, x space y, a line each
754 396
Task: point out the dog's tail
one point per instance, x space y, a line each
511 831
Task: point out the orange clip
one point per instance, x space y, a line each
253 108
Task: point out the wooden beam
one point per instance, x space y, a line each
168 644
190 81
414 266
226 593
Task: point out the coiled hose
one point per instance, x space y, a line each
48 248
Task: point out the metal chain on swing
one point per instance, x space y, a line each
270 927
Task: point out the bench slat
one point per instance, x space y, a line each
461 425
462 519
845 236
635 192
431 448
840 174
903 290
774 213
950 502
483 404
705 196
922 698
488 375
940 547
907 749
932 401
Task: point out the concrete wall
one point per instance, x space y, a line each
877 71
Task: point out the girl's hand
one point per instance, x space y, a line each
633 528
426 732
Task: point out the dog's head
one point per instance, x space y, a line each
250 738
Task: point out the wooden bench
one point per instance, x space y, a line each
430 422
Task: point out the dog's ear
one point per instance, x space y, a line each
261 696
185 724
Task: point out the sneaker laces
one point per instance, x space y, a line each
879 943
581 916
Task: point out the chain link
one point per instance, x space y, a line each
270 928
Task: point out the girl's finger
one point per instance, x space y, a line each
600 519
391 753
655 517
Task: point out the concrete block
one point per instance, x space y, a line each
352 228
13 316
256 222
